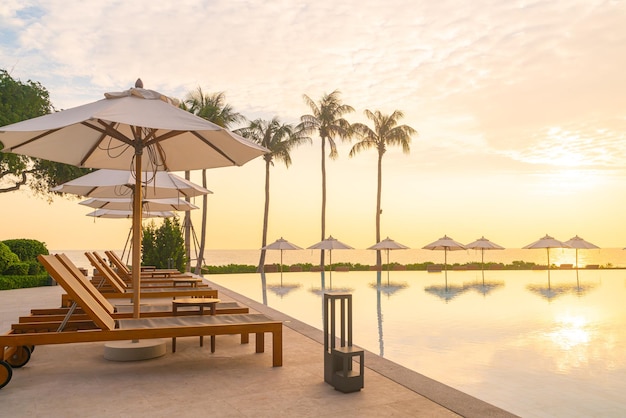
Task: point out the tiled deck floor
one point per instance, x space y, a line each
76 381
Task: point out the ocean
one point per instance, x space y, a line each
607 257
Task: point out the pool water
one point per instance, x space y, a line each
535 343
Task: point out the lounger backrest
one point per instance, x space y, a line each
77 292
111 277
82 279
119 264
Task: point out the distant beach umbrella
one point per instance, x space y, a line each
446 244
388 244
282 245
330 244
483 244
579 243
547 242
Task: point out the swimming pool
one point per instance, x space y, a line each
534 344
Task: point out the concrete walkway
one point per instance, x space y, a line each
76 381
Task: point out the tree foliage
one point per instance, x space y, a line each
164 246
20 101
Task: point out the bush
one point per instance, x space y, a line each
164 247
7 257
34 267
26 249
19 282
17 269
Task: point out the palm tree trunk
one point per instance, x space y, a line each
205 203
323 197
187 230
378 210
266 212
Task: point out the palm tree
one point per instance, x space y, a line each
280 140
212 107
386 132
327 120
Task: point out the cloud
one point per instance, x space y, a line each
492 75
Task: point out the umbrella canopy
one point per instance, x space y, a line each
120 214
138 129
149 205
388 244
446 244
121 183
580 244
107 133
483 244
547 242
282 245
330 244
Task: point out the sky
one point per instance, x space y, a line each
520 108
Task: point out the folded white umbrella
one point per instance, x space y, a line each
121 214
121 183
149 205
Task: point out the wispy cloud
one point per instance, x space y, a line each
488 76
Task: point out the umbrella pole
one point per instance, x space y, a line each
281 268
445 265
330 258
548 251
136 259
482 263
387 267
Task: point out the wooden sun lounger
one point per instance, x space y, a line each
101 265
122 291
117 311
109 329
150 271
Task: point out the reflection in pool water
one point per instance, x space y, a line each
533 346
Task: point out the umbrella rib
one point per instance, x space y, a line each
219 151
51 131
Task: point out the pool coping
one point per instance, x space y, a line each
440 393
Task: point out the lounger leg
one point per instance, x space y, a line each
260 342
277 349
245 338
174 345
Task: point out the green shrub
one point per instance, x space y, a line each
7 257
34 267
27 249
19 282
17 269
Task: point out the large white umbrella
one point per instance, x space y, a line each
580 244
148 205
282 245
121 183
483 244
388 244
446 244
330 244
547 242
137 129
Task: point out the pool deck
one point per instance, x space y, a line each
76 381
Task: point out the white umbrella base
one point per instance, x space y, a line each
134 350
